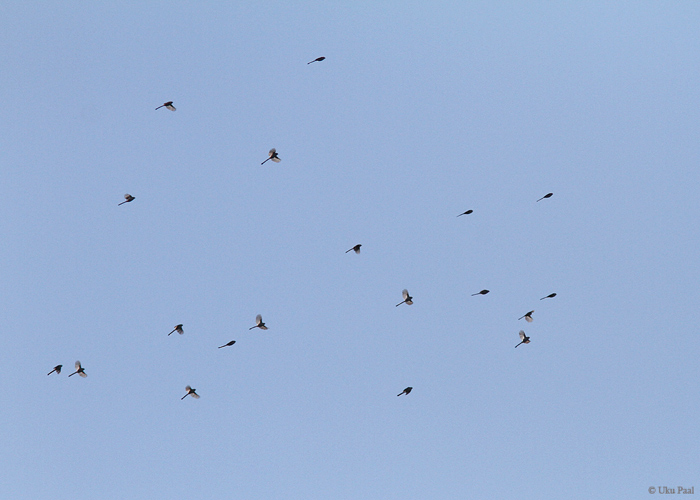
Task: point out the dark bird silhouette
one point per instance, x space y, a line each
466 213
79 370
127 198
272 156
407 299
527 316
190 392
548 195
56 369
407 390
550 296
483 292
168 105
318 59
258 323
356 248
178 329
524 339
227 344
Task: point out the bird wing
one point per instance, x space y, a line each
194 395
170 107
77 365
522 335
258 319
188 389
272 152
82 374
276 160
404 293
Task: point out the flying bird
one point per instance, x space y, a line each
178 329
272 156
548 195
483 292
56 369
527 316
168 105
356 248
318 59
407 299
79 370
550 296
127 198
524 339
227 344
407 391
466 213
258 323
190 392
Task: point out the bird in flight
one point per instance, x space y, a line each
466 213
483 292
56 369
127 198
548 195
178 329
168 105
406 391
356 248
524 339
190 392
550 296
258 323
318 59
228 343
407 299
79 370
527 316
272 156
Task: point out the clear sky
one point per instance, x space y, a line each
420 112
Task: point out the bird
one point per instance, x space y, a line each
56 369
466 213
178 329
524 339
128 198
406 298
318 59
356 248
258 323
79 370
527 316
483 292
227 344
190 392
168 105
548 195
272 156
407 391
550 296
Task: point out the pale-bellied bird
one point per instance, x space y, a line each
56 369
190 392
407 299
272 155
178 329
356 248
524 339
258 323
79 370
127 198
168 105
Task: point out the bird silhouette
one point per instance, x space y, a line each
227 344
466 213
79 370
524 339
483 292
407 299
272 156
190 392
318 59
168 105
407 391
127 198
356 248
178 329
56 369
548 195
527 316
550 296
258 323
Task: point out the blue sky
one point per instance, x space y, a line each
419 113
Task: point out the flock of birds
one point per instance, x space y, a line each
407 298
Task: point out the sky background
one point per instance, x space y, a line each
420 112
